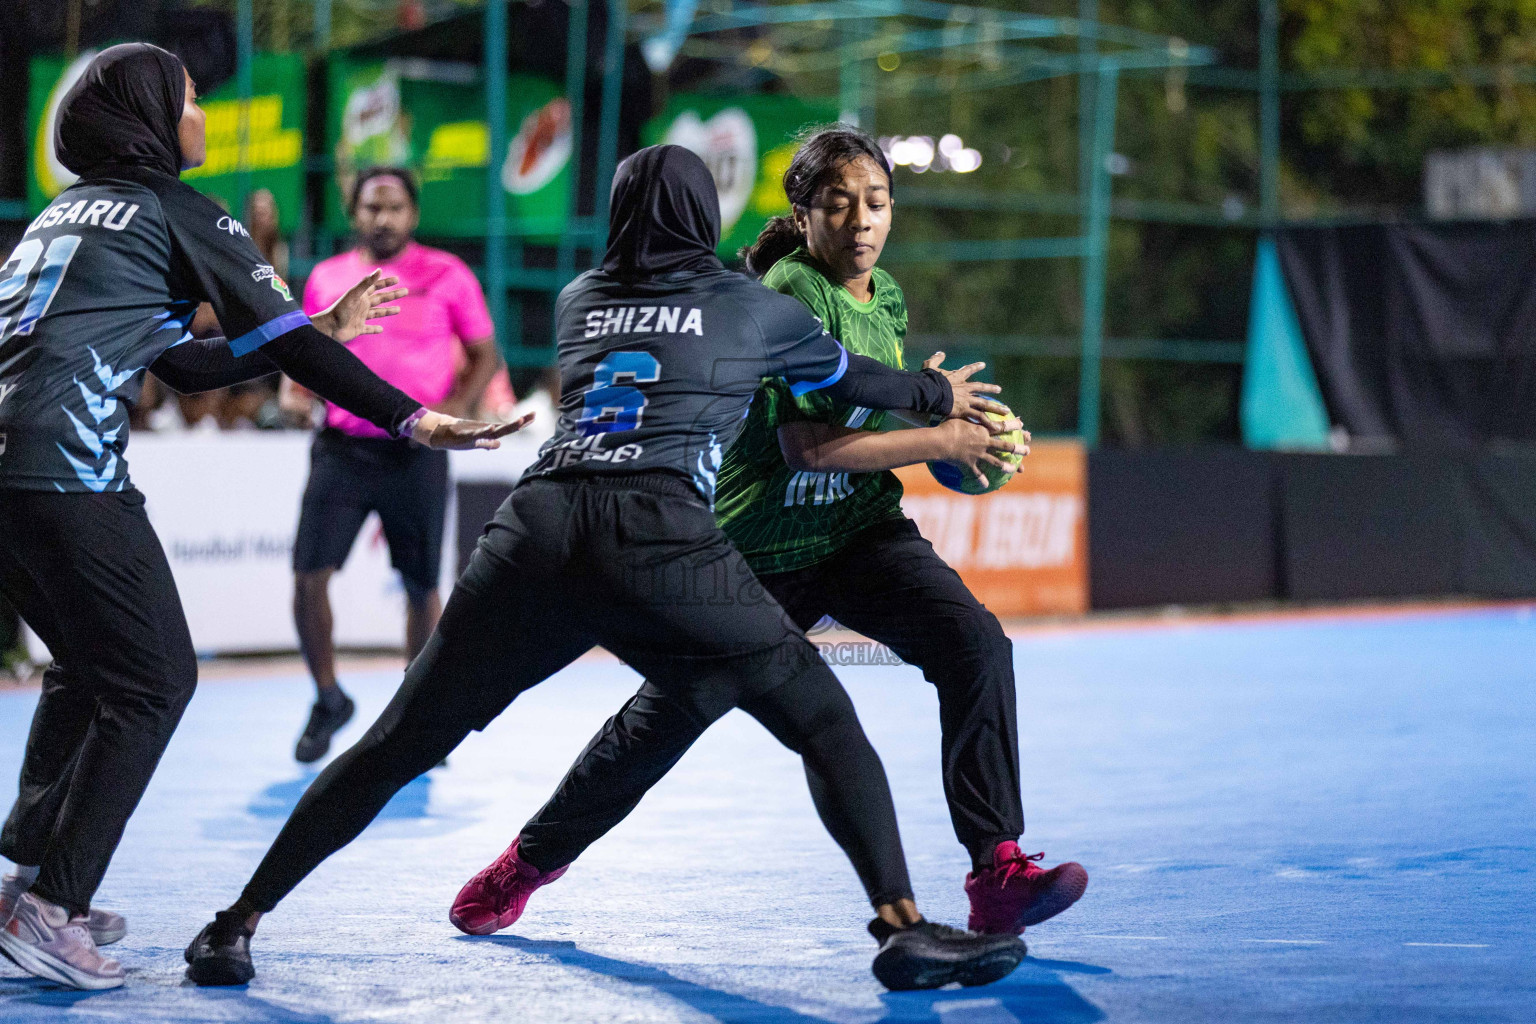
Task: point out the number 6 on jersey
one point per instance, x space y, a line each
609 405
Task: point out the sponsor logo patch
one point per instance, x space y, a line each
234 227
266 273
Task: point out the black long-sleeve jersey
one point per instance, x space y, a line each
102 283
659 373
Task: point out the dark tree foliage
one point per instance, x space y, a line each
1344 152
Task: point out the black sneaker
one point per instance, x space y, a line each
325 718
221 953
929 955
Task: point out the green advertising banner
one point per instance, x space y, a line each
430 116
748 142
274 154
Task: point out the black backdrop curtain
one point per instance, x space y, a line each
1422 335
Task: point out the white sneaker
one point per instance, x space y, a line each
106 926
42 939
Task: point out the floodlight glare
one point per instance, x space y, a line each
965 161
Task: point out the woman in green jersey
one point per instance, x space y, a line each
807 495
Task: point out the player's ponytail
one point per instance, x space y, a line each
824 149
778 239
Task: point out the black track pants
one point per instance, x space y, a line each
890 585
811 715
87 573
10 626
637 565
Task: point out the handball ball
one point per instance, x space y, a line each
959 479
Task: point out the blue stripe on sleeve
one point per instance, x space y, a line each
805 387
253 340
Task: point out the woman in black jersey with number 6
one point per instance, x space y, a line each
609 539
804 496
102 286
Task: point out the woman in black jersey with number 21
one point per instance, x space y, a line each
103 285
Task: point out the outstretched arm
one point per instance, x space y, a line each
829 448
948 393
799 350
328 369
335 374
870 383
223 267
207 364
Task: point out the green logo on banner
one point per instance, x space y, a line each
431 117
747 143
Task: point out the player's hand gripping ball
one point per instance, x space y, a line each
959 479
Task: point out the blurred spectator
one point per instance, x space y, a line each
261 220
441 351
254 404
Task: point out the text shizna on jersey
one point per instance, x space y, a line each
644 320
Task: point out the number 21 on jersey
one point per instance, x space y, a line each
610 404
55 262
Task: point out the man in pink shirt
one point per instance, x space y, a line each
440 351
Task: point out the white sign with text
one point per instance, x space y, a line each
226 507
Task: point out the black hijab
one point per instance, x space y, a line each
664 215
124 111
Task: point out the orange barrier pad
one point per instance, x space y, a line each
1023 550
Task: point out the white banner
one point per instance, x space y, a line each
226 507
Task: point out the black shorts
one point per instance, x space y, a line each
349 477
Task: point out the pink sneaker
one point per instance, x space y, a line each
1016 892
495 898
42 939
106 926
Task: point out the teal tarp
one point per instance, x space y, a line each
1282 406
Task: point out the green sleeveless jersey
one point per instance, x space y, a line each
779 518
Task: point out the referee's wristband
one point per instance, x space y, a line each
408 424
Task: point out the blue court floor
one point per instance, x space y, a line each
1310 820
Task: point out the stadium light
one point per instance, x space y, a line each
920 153
964 161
